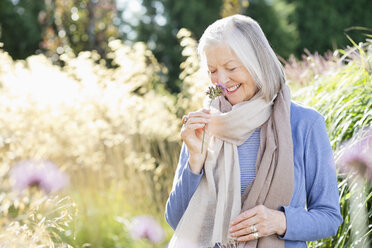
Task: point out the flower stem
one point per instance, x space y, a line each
203 138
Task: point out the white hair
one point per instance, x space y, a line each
246 38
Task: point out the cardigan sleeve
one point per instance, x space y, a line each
184 186
322 217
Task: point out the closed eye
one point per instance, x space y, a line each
232 69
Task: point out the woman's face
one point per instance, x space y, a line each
226 68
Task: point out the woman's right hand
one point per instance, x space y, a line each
192 135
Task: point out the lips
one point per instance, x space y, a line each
233 88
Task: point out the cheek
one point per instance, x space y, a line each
250 89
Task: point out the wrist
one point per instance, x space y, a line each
196 164
282 223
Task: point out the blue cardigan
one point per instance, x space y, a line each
314 210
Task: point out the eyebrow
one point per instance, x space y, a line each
231 60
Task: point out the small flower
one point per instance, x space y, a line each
357 155
216 91
41 174
146 227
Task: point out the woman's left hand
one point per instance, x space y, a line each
260 220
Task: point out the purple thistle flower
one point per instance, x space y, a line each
42 174
146 227
223 88
357 155
215 91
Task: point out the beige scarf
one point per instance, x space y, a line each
217 200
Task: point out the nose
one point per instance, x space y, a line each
221 77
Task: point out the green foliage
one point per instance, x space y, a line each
343 96
56 26
78 25
34 220
321 24
19 27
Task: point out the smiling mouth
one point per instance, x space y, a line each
233 89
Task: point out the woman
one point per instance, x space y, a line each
267 178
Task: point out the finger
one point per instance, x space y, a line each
198 120
245 215
199 114
199 132
248 237
242 232
194 126
243 225
207 111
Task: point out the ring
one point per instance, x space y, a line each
253 228
255 235
184 119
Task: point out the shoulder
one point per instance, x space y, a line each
306 123
303 116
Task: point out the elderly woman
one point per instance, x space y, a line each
267 177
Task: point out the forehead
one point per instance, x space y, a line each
220 54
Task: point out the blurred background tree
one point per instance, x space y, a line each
20 30
57 26
232 7
161 23
78 25
322 25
